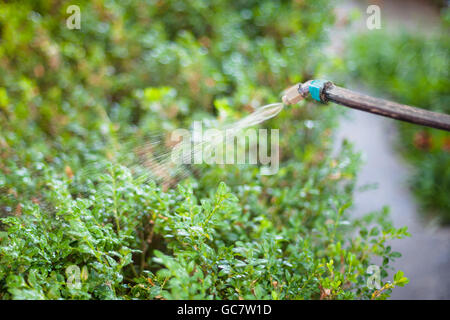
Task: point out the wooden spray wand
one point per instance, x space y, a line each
324 91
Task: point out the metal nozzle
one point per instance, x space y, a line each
296 93
291 95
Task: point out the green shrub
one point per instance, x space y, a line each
127 239
413 69
79 224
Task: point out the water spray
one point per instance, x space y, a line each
169 165
325 91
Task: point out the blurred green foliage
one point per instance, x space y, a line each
413 69
69 99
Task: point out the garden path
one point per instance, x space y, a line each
426 255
